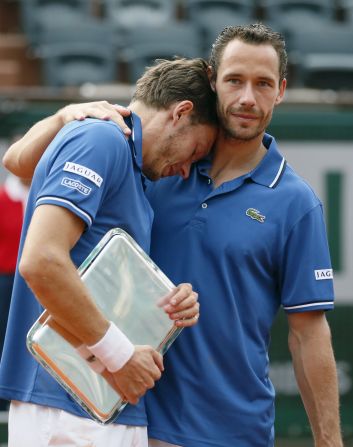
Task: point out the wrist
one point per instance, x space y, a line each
92 361
114 349
60 117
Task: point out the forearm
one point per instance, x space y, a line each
46 266
57 286
315 371
23 156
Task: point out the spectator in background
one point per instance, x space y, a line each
13 198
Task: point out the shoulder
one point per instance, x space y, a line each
297 206
289 186
95 131
102 140
297 191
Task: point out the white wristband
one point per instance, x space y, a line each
92 361
114 349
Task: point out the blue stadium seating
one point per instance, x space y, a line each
131 13
145 44
323 56
38 15
75 55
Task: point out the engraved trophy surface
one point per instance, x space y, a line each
126 285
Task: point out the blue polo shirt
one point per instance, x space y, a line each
91 170
249 247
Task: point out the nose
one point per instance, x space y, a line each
248 97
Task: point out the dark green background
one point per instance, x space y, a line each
290 414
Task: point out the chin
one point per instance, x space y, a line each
151 175
248 133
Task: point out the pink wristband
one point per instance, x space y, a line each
114 349
92 361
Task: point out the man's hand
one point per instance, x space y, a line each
134 378
102 110
138 375
181 305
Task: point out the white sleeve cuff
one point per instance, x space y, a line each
114 349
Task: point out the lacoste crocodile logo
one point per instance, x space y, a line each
255 214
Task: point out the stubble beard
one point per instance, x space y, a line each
151 171
241 134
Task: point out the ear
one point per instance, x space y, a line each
211 78
282 89
182 108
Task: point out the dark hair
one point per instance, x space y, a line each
256 34
170 81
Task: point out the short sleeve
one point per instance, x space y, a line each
84 162
307 278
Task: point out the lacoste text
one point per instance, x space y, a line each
75 184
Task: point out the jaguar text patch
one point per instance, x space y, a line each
84 172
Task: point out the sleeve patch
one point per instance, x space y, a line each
323 274
75 184
88 173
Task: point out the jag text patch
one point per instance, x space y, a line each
323 274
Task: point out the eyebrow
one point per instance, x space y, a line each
266 78
240 75
233 74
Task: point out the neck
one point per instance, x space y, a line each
234 158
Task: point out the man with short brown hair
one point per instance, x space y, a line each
90 180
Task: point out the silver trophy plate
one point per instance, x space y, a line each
127 286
